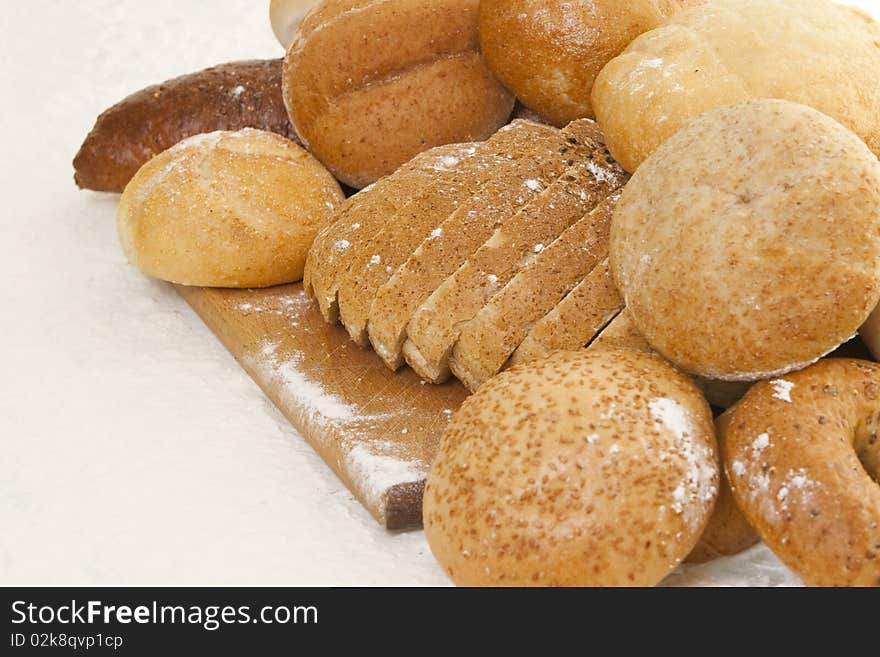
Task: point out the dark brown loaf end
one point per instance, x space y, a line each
226 97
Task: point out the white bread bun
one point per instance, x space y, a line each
286 15
226 209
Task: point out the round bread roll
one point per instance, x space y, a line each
226 209
728 531
549 53
286 15
813 52
748 245
583 469
803 459
369 85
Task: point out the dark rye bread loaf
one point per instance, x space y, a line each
227 97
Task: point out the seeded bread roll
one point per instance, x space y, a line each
226 209
227 97
548 53
369 85
803 459
748 245
584 469
814 52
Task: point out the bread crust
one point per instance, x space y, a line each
370 84
803 459
584 469
229 97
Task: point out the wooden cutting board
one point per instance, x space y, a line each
378 430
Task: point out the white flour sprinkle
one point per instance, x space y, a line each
375 260
760 443
699 486
782 389
652 62
437 232
534 185
739 469
493 279
602 174
342 245
593 438
237 91
374 470
538 248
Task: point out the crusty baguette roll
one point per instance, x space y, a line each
226 209
748 245
584 469
814 52
286 16
368 85
403 233
803 459
496 204
227 97
548 53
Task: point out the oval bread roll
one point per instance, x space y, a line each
226 209
748 245
814 52
549 53
369 85
584 469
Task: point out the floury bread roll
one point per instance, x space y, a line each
226 209
369 85
286 16
813 52
584 469
549 52
748 244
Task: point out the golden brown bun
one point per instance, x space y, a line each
803 458
226 209
368 85
548 53
728 531
813 52
227 97
748 245
584 469
285 16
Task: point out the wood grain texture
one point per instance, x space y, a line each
378 430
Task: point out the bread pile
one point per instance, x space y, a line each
596 314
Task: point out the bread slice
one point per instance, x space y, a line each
576 320
378 257
436 325
488 340
498 203
364 214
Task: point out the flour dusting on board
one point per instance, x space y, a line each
374 468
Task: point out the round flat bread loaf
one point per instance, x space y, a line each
748 244
813 52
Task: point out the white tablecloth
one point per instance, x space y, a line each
134 450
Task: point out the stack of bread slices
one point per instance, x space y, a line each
473 256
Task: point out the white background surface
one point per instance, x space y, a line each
134 450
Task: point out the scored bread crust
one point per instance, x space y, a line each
376 259
498 204
488 340
370 84
576 320
366 213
